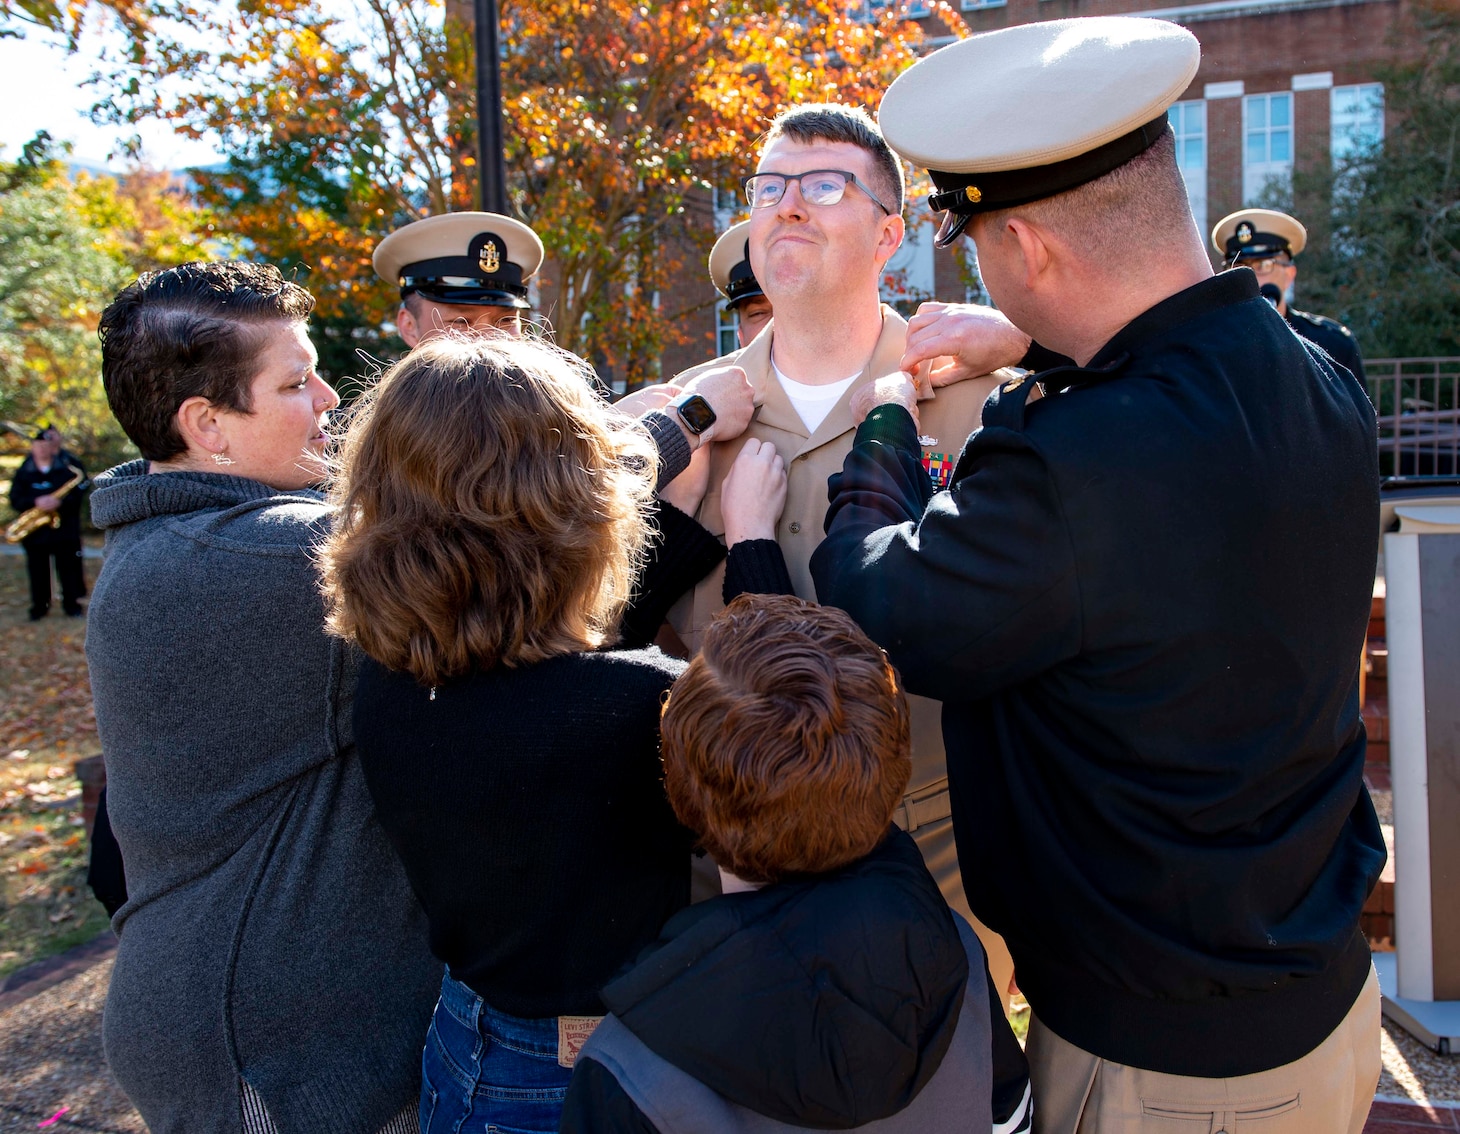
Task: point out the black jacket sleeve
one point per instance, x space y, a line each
22 490
682 554
756 567
971 596
596 1104
105 874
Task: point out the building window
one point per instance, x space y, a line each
1189 122
973 5
1267 153
725 325
1357 115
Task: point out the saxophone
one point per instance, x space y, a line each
33 519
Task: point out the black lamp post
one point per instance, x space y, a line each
492 168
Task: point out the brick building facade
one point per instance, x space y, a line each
1283 85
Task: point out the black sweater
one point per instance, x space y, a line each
1140 603
528 807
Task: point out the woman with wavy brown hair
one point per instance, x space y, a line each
493 512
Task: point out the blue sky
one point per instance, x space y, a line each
41 89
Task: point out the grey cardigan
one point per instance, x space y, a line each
270 933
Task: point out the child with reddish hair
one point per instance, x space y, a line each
830 986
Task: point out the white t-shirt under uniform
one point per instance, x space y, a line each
813 403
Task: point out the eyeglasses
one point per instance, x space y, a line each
1262 267
818 187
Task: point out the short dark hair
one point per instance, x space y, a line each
1145 194
833 122
188 332
787 742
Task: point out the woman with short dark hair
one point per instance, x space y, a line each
273 972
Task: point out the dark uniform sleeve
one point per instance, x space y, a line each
596 1104
683 553
22 490
973 595
1345 351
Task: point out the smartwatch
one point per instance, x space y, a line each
696 413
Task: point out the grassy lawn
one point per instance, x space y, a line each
46 725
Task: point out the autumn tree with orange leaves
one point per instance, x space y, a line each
342 122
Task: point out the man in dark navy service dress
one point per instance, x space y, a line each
1268 241
1141 601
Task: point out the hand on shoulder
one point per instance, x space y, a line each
952 342
895 389
731 396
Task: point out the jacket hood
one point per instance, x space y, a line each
129 493
827 1003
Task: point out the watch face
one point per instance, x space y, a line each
696 413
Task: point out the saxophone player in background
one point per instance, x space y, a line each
50 481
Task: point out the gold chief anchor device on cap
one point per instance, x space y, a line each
473 259
1256 234
1037 109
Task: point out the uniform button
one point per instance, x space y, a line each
803 456
795 527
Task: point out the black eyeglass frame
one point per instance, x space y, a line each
787 178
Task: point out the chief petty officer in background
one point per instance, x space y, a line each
1267 241
1140 601
735 280
51 481
460 271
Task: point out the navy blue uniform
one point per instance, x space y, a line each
62 543
1332 336
1142 603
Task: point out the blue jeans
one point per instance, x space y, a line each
484 1072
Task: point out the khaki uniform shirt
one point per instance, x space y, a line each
947 417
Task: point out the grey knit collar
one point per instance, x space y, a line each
129 493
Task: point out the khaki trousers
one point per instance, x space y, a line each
1328 1091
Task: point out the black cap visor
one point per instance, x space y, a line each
742 284
1259 246
964 195
463 291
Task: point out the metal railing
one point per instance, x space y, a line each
1418 402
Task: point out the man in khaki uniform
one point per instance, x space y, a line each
819 237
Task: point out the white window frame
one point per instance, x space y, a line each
1343 124
726 324
1195 176
1257 175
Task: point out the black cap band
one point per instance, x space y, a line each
742 283
484 277
1258 245
965 195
